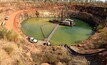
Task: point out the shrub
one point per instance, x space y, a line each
19 62
8 49
12 36
51 56
1 11
9 35
3 33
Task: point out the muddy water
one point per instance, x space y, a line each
63 35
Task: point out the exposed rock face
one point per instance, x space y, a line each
103 58
96 16
85 16
93 14
95 10
89 18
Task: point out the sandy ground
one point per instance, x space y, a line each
11 21
12 24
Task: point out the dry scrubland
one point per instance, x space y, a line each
16 50
22 53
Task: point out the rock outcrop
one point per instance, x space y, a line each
93 9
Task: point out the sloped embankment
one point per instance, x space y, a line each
12 53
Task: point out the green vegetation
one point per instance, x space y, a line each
19 62
9 35
8 50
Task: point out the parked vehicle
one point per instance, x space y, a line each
32 40
7 17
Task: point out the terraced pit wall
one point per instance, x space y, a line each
90 13
95 10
